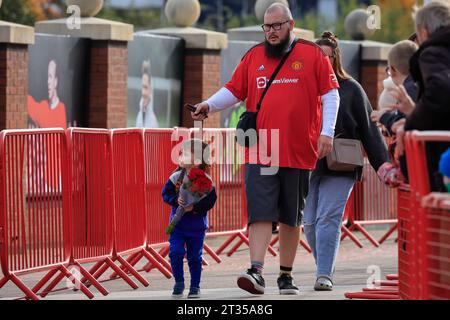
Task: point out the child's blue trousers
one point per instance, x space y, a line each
181 244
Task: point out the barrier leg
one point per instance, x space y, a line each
162 253
92 280
389 290
28 293
347 232
132 260
391 230
274 240
94 269
52 285
392 277
238 244
121 273
366 295
44 280
77 282
103 268
305 245
204 262
3 281
272 251
212 253
390 283
133 271
367 235
160 258
226 243
157 265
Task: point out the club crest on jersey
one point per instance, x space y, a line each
297 65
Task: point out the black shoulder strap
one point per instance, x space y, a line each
286 55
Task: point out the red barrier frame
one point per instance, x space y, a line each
127 241
239 231
360 192
92 147
52 184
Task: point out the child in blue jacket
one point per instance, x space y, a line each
189 233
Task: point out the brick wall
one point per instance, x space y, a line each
372 75
13 86
201 80
108 84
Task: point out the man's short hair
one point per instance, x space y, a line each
277 6
146 68
433 16
400 54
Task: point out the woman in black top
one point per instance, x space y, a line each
330 190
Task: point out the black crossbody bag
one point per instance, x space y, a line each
247 120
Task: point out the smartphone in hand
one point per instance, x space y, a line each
193 108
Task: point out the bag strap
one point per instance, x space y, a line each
274 74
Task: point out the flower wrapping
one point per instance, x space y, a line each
196 185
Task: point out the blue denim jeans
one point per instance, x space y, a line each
322 218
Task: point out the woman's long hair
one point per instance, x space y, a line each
330 40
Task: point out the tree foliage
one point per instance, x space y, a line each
28 12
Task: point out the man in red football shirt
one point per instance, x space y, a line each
291 112
51 112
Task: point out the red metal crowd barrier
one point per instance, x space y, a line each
92 207
35 213
391 288
349 211
437 250
158 167
374 204
423 231
432 224
229 215
129 201
406 243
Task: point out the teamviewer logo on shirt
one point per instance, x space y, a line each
261 82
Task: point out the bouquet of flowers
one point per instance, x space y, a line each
195 186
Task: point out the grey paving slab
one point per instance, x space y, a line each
219 279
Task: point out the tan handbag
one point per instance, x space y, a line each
347 155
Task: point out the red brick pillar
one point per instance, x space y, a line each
13 86
373 69
14 41
201 80
108 90
372 75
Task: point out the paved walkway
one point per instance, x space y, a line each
219 280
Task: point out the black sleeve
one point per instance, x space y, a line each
433 106
207 203
370 135
389 118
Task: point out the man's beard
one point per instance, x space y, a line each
276 50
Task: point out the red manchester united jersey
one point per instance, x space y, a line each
292 104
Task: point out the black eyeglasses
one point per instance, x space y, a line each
275 26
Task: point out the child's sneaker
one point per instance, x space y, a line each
194 293
178 290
